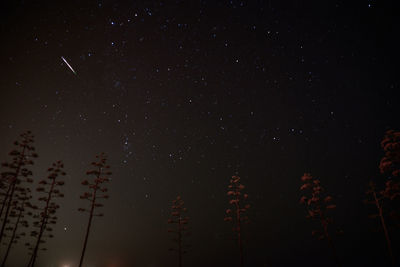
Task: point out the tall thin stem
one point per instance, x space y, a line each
14 181
385 230
44 223
328 237
7 212
239 229
3 205
180 241
90 219
12 236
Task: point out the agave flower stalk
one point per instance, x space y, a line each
317 208
96 192
22 156
20 211
47 216
377 201
180 220
236 214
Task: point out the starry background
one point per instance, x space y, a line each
182 95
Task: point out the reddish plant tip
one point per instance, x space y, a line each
317 207
178 222
235 213
391 160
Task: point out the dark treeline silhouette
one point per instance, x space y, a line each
19 214
17 205
383 195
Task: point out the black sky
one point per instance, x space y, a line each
181 95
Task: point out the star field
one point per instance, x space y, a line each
181 95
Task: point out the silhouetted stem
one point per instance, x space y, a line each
180 241
44 223
12 237
14 181
328 237
30 261
90 219
3 205
7 212
385 230
239 229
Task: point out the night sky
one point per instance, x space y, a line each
181 95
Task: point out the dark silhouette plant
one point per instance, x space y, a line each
377 201
19 213
21 156
236 214
389 196
95 193
47 213
390 165
180 220
318 204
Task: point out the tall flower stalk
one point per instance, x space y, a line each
47 213
22 156
96 192
236 213
180 220
377 201
19 213
317 207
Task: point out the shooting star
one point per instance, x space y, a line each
69 66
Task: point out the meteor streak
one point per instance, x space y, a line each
69 66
